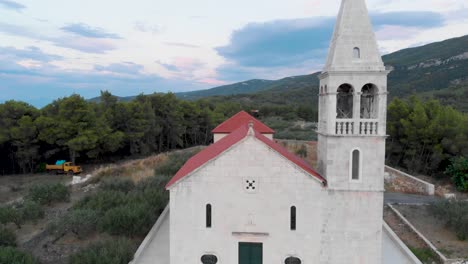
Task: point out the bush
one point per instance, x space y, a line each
117 184
174 162
30 211
302 152
458 171
128 220
7 238
111 252
455 214
8 214
9 255
49 193
102 201
81 222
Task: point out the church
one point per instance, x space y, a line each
247 200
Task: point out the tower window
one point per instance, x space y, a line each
344 102
356 53
293 218
208 215
369 101
355 165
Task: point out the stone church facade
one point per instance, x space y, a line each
246 200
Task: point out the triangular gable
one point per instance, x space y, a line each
230 140
240 119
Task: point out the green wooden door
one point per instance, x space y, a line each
250 253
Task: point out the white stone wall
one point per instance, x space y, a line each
221 183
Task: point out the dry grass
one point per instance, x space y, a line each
136 170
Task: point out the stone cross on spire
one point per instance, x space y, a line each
353 46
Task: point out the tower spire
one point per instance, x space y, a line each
353 46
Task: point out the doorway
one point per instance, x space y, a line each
250 253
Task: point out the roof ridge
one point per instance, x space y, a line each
216 149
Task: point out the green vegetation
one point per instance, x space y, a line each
455 213
9 255
425 255
458 171
425 136
120 207
49 193
8 214
118 251
74 129
7 237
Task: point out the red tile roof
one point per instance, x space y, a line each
228 141
239 119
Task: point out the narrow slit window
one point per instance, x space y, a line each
293 218
355 163
356 53
208 216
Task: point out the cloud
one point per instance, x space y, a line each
182 45
87 31
8 4
87 45
288 42
40 86
80 43
147 28
283 45
129 68
29 53
168 66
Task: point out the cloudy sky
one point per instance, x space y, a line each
53 48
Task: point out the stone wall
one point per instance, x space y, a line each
398 181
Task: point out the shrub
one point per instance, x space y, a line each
81 222
455 214
458 171
30 210
173 163
8 214
110 252
9 255
302 151
129 220
49 193
7 238
102 201
117 184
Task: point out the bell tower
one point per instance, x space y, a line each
351 139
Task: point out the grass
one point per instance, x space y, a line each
425 255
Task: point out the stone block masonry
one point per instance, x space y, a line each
399 181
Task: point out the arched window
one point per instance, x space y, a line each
344 102
293 218
321 89
369 101
326 89
292 260
208 215
356 165
209 259
356 53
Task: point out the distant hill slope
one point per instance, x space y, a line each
247 87
420 70
431 67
